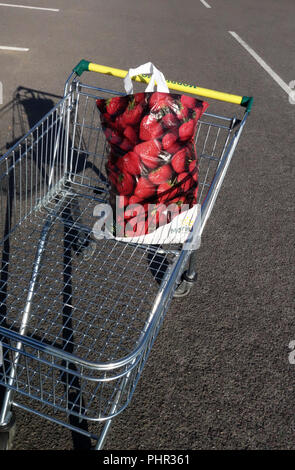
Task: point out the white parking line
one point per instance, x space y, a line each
205 4
263 64
26 6
9 48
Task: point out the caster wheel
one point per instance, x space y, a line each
185 286
7 433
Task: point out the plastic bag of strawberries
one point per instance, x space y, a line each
152 163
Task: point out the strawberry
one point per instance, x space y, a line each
170 120
168 140
174 148
186 180
160 175
113 177
139 98
179 160
132 114
124 184
188 101
126 145
130 163
204 105
144 188
135 227
116 105
166 191
193 169
186 130
197 112
111 163
182 112
134 200
134 212
131 135
150 128
158 217
149 153
159 100
100 103
112 136
119 123
107 120
179 201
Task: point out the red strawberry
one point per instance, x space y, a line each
139 98
197 112
186 130
144 188
130 163
107 120
179 160
168 140
101 105
158 216
131 135
135 227
149 152
159 100
188 101
113 177
150 128
166 191
182 112
134 212
126 145
186 180
179 201
124 184
134 200
173 148
112 136
119 123
111 163
116 105
170 120
193 169
204 105
160 175
132 114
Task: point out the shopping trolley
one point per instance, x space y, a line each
79 315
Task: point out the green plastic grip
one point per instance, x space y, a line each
83 66
247 102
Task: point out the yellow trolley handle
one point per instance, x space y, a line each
245 101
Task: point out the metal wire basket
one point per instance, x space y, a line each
78 315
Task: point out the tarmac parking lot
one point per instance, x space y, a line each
219 374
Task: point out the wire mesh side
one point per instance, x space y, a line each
26 169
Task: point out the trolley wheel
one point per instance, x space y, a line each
185 285
7 433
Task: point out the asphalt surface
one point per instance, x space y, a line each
218 376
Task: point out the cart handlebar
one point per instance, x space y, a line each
245 101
